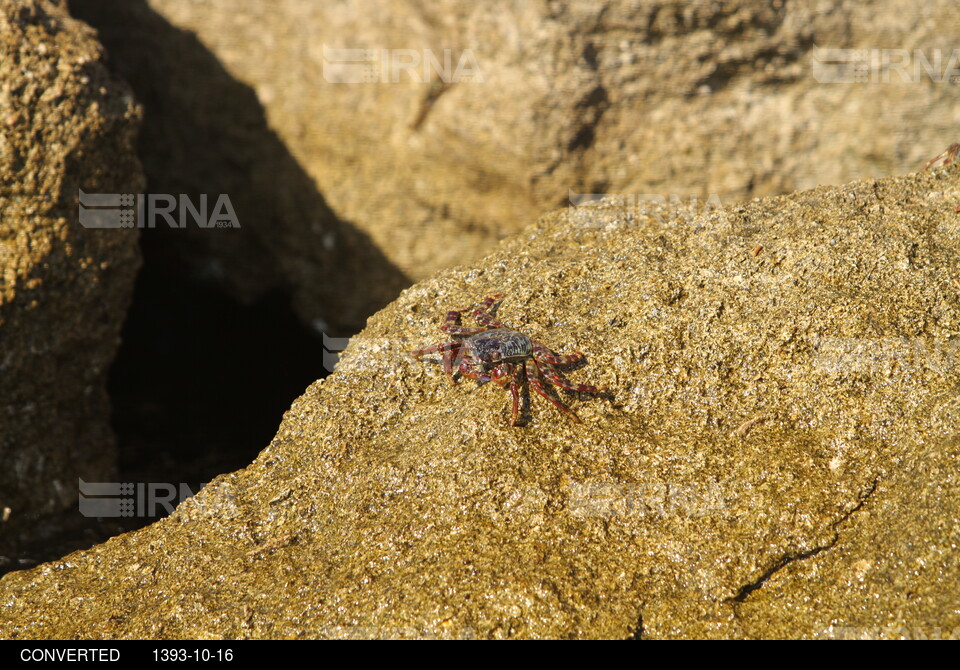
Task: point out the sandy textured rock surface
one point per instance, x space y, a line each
65 124
778 457
664 98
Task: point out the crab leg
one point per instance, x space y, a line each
550 356
533 377
482 314
488 303
515 392
481 377
947 157
505 375
450 351
944 158
432 349
452 325
554 378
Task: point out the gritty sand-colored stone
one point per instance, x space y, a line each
778 457
66 124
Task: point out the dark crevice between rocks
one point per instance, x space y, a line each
201 381
198 388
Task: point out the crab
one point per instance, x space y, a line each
492 352
945 158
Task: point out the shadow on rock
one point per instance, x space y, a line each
205 132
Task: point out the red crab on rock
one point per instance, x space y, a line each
492 352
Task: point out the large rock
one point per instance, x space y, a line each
65 124
777 457
728 100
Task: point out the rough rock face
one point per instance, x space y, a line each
657 98
777 457
65 125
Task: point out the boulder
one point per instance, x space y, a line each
776 455
67 126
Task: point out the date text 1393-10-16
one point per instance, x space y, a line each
196 654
